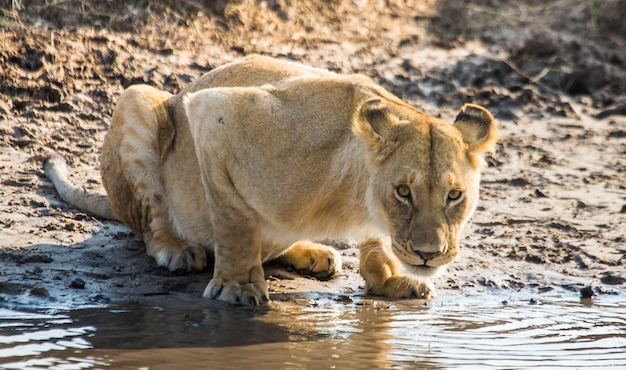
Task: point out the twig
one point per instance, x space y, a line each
534 80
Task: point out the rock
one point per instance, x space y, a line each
77 283
586 292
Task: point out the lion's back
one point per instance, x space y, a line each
254 70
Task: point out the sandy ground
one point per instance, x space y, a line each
553 205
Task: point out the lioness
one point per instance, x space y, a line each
259 156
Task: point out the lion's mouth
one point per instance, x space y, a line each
414 264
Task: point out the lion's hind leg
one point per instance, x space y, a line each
131 161
308 258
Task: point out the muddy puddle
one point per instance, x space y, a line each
489 331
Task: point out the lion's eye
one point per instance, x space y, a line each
403 191
454 195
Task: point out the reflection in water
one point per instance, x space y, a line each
454 332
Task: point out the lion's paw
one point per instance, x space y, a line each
404 286
181 256
313 259
250 294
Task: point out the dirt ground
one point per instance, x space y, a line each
553 206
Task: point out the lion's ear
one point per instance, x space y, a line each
478 129
373 124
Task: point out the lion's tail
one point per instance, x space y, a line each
97 204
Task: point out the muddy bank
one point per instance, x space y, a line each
553 204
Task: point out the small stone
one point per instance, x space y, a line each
77 283
343 299
586 292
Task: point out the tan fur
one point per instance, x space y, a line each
260 154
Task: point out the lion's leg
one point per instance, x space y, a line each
318 260
131 159
385 276
238 275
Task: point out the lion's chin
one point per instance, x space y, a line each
422 270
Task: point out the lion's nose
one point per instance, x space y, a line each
427 256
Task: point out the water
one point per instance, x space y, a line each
489 331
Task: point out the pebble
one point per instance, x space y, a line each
77 283
587 292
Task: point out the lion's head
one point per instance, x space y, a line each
424 177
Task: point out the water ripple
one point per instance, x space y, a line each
455 332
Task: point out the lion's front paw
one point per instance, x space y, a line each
180 255
404 286
317 260
250 294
